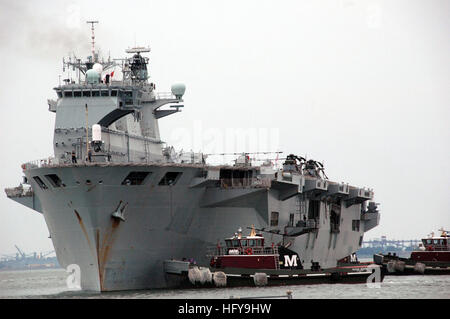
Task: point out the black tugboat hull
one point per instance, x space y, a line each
398 266
242 277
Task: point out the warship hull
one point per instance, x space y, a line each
161 222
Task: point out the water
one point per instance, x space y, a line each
51 283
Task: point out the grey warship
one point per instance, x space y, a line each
118 202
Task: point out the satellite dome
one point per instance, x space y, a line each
178 90
92 76
97 67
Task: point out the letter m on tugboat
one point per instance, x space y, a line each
290 261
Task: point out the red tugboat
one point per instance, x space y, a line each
247 261
249 252
432 258
434 250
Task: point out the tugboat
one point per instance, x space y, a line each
431 258
249 252
248 261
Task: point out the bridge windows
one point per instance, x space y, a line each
128 95
135 178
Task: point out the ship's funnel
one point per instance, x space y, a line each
178 90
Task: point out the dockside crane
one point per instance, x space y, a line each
20 252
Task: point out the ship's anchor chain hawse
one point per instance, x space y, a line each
119 212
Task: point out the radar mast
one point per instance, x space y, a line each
75 63
136 66
94 58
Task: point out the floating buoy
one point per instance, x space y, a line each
260 279
420 268
220 279
194 275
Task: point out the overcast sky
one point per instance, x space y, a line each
362 85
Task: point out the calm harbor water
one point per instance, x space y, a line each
51 283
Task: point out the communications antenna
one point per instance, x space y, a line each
93 39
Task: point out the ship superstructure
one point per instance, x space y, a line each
118 202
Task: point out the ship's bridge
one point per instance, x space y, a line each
111 102
127 95
136 138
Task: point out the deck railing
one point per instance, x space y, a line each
39 163
164 96
437 247
245 250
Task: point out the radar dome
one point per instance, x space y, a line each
92 77
97 67
178 90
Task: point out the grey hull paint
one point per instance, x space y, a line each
164 222
129 255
